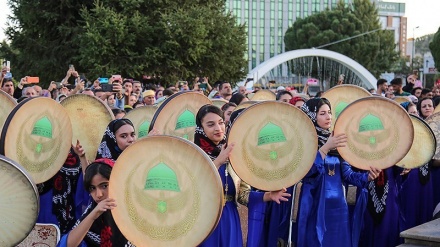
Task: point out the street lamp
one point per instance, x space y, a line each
413 48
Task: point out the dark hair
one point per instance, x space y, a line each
237 98
121 122
436 100
396 81
94 169
380 82
426 90
319 94
136 104
419 106
324 101
97 90
220 86
116 111
414 90
227 105
283 92
205 110
167 92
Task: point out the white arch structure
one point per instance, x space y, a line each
258 72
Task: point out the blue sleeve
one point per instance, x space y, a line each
359 179
317 167
63 242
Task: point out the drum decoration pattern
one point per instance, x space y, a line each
90 117
275 145
170 197
423 146
434 122
379 133
38 138
341 96
7 104
19 205
141 118
177 115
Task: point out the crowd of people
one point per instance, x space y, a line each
76 198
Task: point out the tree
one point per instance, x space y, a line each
42 37
375 51
435 49
170 39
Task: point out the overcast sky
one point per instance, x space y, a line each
421 13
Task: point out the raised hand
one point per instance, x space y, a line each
104 205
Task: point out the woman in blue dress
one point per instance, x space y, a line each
210 137
416 195
323 218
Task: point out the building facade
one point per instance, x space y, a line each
268 20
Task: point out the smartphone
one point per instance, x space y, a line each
107 87
8 65
31 79
202 86
71 67
103 80
59 85
8 75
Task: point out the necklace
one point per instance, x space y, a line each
331 172
226 185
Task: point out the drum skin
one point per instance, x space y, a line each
90 117
341 96
275 145
7 104
172 196
423 147
177 114
141 118
379 133
38 138
19 205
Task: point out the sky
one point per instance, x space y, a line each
420 13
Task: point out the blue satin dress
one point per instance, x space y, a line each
386 232
228 231
416 200
323 218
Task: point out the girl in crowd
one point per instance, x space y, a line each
227 109
210 136
323 218
297 101
96 226
118 135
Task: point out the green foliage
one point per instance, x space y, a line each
422 44
435 49
375 51
169 39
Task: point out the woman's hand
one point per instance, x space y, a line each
334 141
104 205
224 155
276 196
404 172
78 149
374 173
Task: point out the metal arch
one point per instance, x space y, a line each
258 72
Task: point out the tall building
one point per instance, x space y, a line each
391 16
267 22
